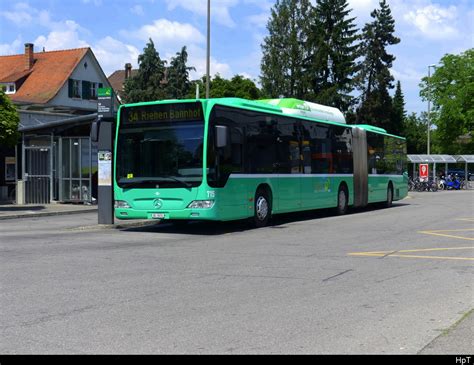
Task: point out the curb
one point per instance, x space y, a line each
122 225
46 214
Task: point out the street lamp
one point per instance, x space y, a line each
208 58
429 99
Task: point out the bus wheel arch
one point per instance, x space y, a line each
342 199
262 205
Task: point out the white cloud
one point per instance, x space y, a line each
64 37
407 75
258 20
362 9
12 48
165 32
220 12
169 36
138 10
434 21
21 15
95 2
197 59
112 54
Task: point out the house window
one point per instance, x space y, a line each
76 89
8 88
94 86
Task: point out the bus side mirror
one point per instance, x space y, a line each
221 136
95 130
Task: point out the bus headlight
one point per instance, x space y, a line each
201 204
121 204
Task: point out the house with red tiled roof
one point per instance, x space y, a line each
117 79
64 80
55 93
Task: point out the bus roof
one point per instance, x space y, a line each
275 107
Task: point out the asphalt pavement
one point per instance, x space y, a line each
376 281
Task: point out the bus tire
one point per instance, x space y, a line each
263 208
389 201
342 200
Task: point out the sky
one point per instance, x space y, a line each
118 30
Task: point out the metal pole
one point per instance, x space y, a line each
429 113
208 60
429 98
51 171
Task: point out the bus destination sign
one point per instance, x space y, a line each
162 113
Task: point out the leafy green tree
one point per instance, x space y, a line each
284 50
219 87
415 131
178 75
451 90
333 51
374 77
9 121
148 83
398 111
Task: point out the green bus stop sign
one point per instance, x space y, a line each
105 103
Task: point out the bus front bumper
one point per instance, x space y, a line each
184 214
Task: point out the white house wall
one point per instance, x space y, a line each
92 73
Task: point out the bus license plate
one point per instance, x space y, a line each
157 215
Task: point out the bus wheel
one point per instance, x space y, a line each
342 200
389 201
263 208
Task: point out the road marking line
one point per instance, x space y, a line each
437 233
466 219
399 253
419 257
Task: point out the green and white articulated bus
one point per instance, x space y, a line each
230 158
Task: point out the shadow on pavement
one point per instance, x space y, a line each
16 208
278 221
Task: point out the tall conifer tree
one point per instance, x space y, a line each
147 84
284 51
333 48
178 75
374 78
398 111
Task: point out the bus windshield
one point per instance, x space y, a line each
160 146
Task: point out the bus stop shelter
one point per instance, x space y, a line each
437 160
467 159
434 160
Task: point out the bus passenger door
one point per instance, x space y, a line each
361 179
288 165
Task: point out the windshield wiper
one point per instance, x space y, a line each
178 180
130 184
154 181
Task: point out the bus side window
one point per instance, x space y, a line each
376 155
287 147
261 153
342 150
237 141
